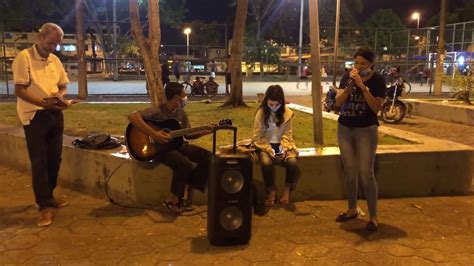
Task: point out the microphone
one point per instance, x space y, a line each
350 83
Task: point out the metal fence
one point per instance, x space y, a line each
412 50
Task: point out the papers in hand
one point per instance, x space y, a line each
59 102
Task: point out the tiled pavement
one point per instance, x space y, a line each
413 231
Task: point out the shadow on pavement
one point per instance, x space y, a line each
17 215
201 245
385 231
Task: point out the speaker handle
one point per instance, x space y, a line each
214 131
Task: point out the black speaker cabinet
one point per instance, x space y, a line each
229 214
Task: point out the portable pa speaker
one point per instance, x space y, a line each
229 213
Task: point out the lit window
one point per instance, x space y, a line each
70 48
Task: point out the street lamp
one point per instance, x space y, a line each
187 31
416 16
300 43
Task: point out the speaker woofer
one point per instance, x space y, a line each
231 218
232 181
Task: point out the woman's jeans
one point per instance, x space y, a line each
358 146
268 170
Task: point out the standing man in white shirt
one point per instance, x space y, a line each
40 85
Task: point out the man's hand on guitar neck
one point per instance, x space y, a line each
200 134
161 136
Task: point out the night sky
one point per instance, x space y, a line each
405 8
219 10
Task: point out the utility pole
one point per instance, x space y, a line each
5 71
226 41
115 52
300 45
81 51
316 73
336 41
441 50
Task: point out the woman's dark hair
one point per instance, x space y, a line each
172 89
365 52
274 93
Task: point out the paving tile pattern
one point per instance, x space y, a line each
93 231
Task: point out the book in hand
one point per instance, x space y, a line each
59 102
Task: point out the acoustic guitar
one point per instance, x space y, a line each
144 148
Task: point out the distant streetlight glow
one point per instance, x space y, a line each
187 31
416 16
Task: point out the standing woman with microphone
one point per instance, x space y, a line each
360 99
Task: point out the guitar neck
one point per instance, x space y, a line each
187 131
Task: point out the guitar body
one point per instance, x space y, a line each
143 148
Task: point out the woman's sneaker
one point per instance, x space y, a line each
172 207
187 206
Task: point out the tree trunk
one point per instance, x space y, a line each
81 51
149 48
236 97
440 54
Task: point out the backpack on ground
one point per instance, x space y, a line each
100 141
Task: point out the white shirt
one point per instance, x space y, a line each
42 76
273 129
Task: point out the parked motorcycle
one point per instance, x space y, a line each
329 103
393 110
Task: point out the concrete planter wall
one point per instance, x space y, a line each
435 167
454 113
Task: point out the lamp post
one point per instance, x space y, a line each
300 43
187 31
416 16
336 41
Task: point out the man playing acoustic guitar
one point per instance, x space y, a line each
190 163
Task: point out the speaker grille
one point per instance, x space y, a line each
231 218
232 181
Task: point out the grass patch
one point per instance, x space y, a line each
83 119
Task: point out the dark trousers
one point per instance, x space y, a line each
190 165
44 139
268 170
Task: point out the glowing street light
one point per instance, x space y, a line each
416 16
187 31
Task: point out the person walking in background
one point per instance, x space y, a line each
165 74
304 76
363 91
40 85
272 135
228 76
177 70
